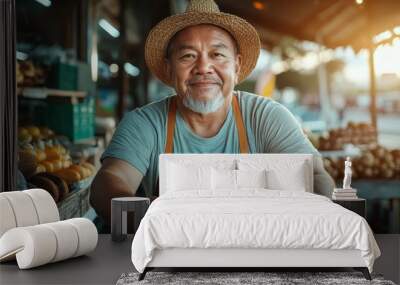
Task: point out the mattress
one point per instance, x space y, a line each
250 219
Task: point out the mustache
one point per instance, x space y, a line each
202 78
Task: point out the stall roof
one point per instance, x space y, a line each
333 23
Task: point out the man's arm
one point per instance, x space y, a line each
116 178
323 182
279 132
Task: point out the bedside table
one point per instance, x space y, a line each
358 206
119 208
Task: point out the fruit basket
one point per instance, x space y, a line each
374 162
353 133
75 204
47 164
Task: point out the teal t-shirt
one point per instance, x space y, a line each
140 137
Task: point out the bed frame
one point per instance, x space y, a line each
242 259
246 258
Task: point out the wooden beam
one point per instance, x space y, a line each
321 8
270 24
347 20
326 21
284 29
353 38
266 36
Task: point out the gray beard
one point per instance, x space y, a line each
204 107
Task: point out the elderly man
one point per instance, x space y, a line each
202 54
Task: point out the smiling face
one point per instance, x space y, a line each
203 65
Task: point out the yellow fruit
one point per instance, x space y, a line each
80 169
52 154
40 168
66 163
48 165
24 136
57 163
87 171
27 155
40 155
69 175
46 132
23 131
34 131
60 149
89 166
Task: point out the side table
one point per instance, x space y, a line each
358 205
119 208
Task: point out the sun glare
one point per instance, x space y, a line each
387 58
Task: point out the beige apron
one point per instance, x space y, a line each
171 120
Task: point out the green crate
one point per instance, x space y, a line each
64 76
85 82
74 120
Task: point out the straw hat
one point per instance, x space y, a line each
201 12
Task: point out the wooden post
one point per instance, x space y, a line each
324 96
371 50
123 79
372 85
8 97
83 22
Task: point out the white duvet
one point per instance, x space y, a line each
251 218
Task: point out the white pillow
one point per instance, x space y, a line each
181 177
237 179
223 179
251 178
293 179
290 174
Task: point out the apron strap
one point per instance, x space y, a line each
169 145
243 143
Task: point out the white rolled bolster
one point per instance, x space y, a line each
22 207
26 208
33 246
7 218
40 244
46 208
87 235
66 238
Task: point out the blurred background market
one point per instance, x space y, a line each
335 64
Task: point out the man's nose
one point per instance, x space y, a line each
203 65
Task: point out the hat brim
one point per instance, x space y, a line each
244 33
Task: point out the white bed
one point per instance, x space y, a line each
247 226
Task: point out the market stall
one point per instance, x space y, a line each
375 171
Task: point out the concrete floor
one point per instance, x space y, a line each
389 262
110 260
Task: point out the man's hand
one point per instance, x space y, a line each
116 178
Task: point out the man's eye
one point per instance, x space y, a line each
187 56
217 54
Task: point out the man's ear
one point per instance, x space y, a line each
238 66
